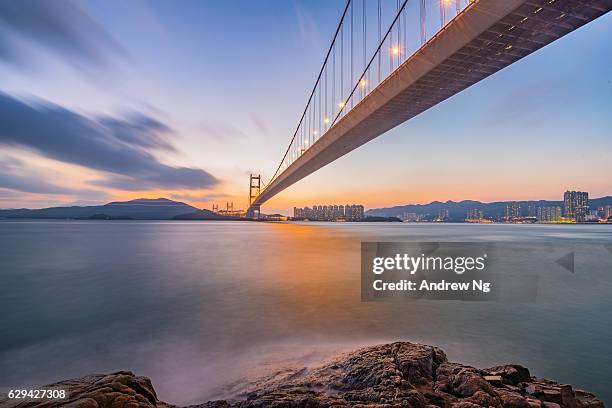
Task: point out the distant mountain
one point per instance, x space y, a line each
458 210
139 209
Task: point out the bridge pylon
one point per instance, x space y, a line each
254 190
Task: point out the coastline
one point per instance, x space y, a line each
399 374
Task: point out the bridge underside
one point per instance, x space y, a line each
485 38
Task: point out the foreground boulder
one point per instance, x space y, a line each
390 375
120 389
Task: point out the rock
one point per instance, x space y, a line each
390 375
534 403
511 374
512 399
116 390
461 381
495 380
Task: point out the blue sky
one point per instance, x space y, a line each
205 92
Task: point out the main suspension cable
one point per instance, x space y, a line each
313 89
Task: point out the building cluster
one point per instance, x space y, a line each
411 217
575 209
576 205
474 214
443 215
330 213
605 212
228 211
513 211
548 214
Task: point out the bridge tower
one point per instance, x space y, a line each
254 189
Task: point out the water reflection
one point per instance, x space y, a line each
199 307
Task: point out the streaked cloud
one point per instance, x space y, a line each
260 123
15 175
120 147
139 130
60 27
221 130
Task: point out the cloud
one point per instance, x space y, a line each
221 130
307 25
139 130
59 26
14 175
120 147
9 194
260 124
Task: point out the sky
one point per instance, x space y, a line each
113 100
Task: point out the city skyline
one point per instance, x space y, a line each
576 206
194 131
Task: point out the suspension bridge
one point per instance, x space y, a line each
390 60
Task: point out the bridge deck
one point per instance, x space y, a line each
486 37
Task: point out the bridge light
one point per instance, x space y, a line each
395 50
363 82
341 104
326 120
314 133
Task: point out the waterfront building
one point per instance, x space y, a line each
576 205
513 211
592 216
474 214
443 215
549 214
330 212
604 212
532 210
411 217
354 212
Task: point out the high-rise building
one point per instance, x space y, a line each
605 211
411 217
443 214
513 210
475 214
330 212
549 214
532 210
353 212
576 205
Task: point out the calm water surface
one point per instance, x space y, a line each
201 307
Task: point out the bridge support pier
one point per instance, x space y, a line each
253 212
254 190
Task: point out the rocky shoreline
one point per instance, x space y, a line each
398 374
